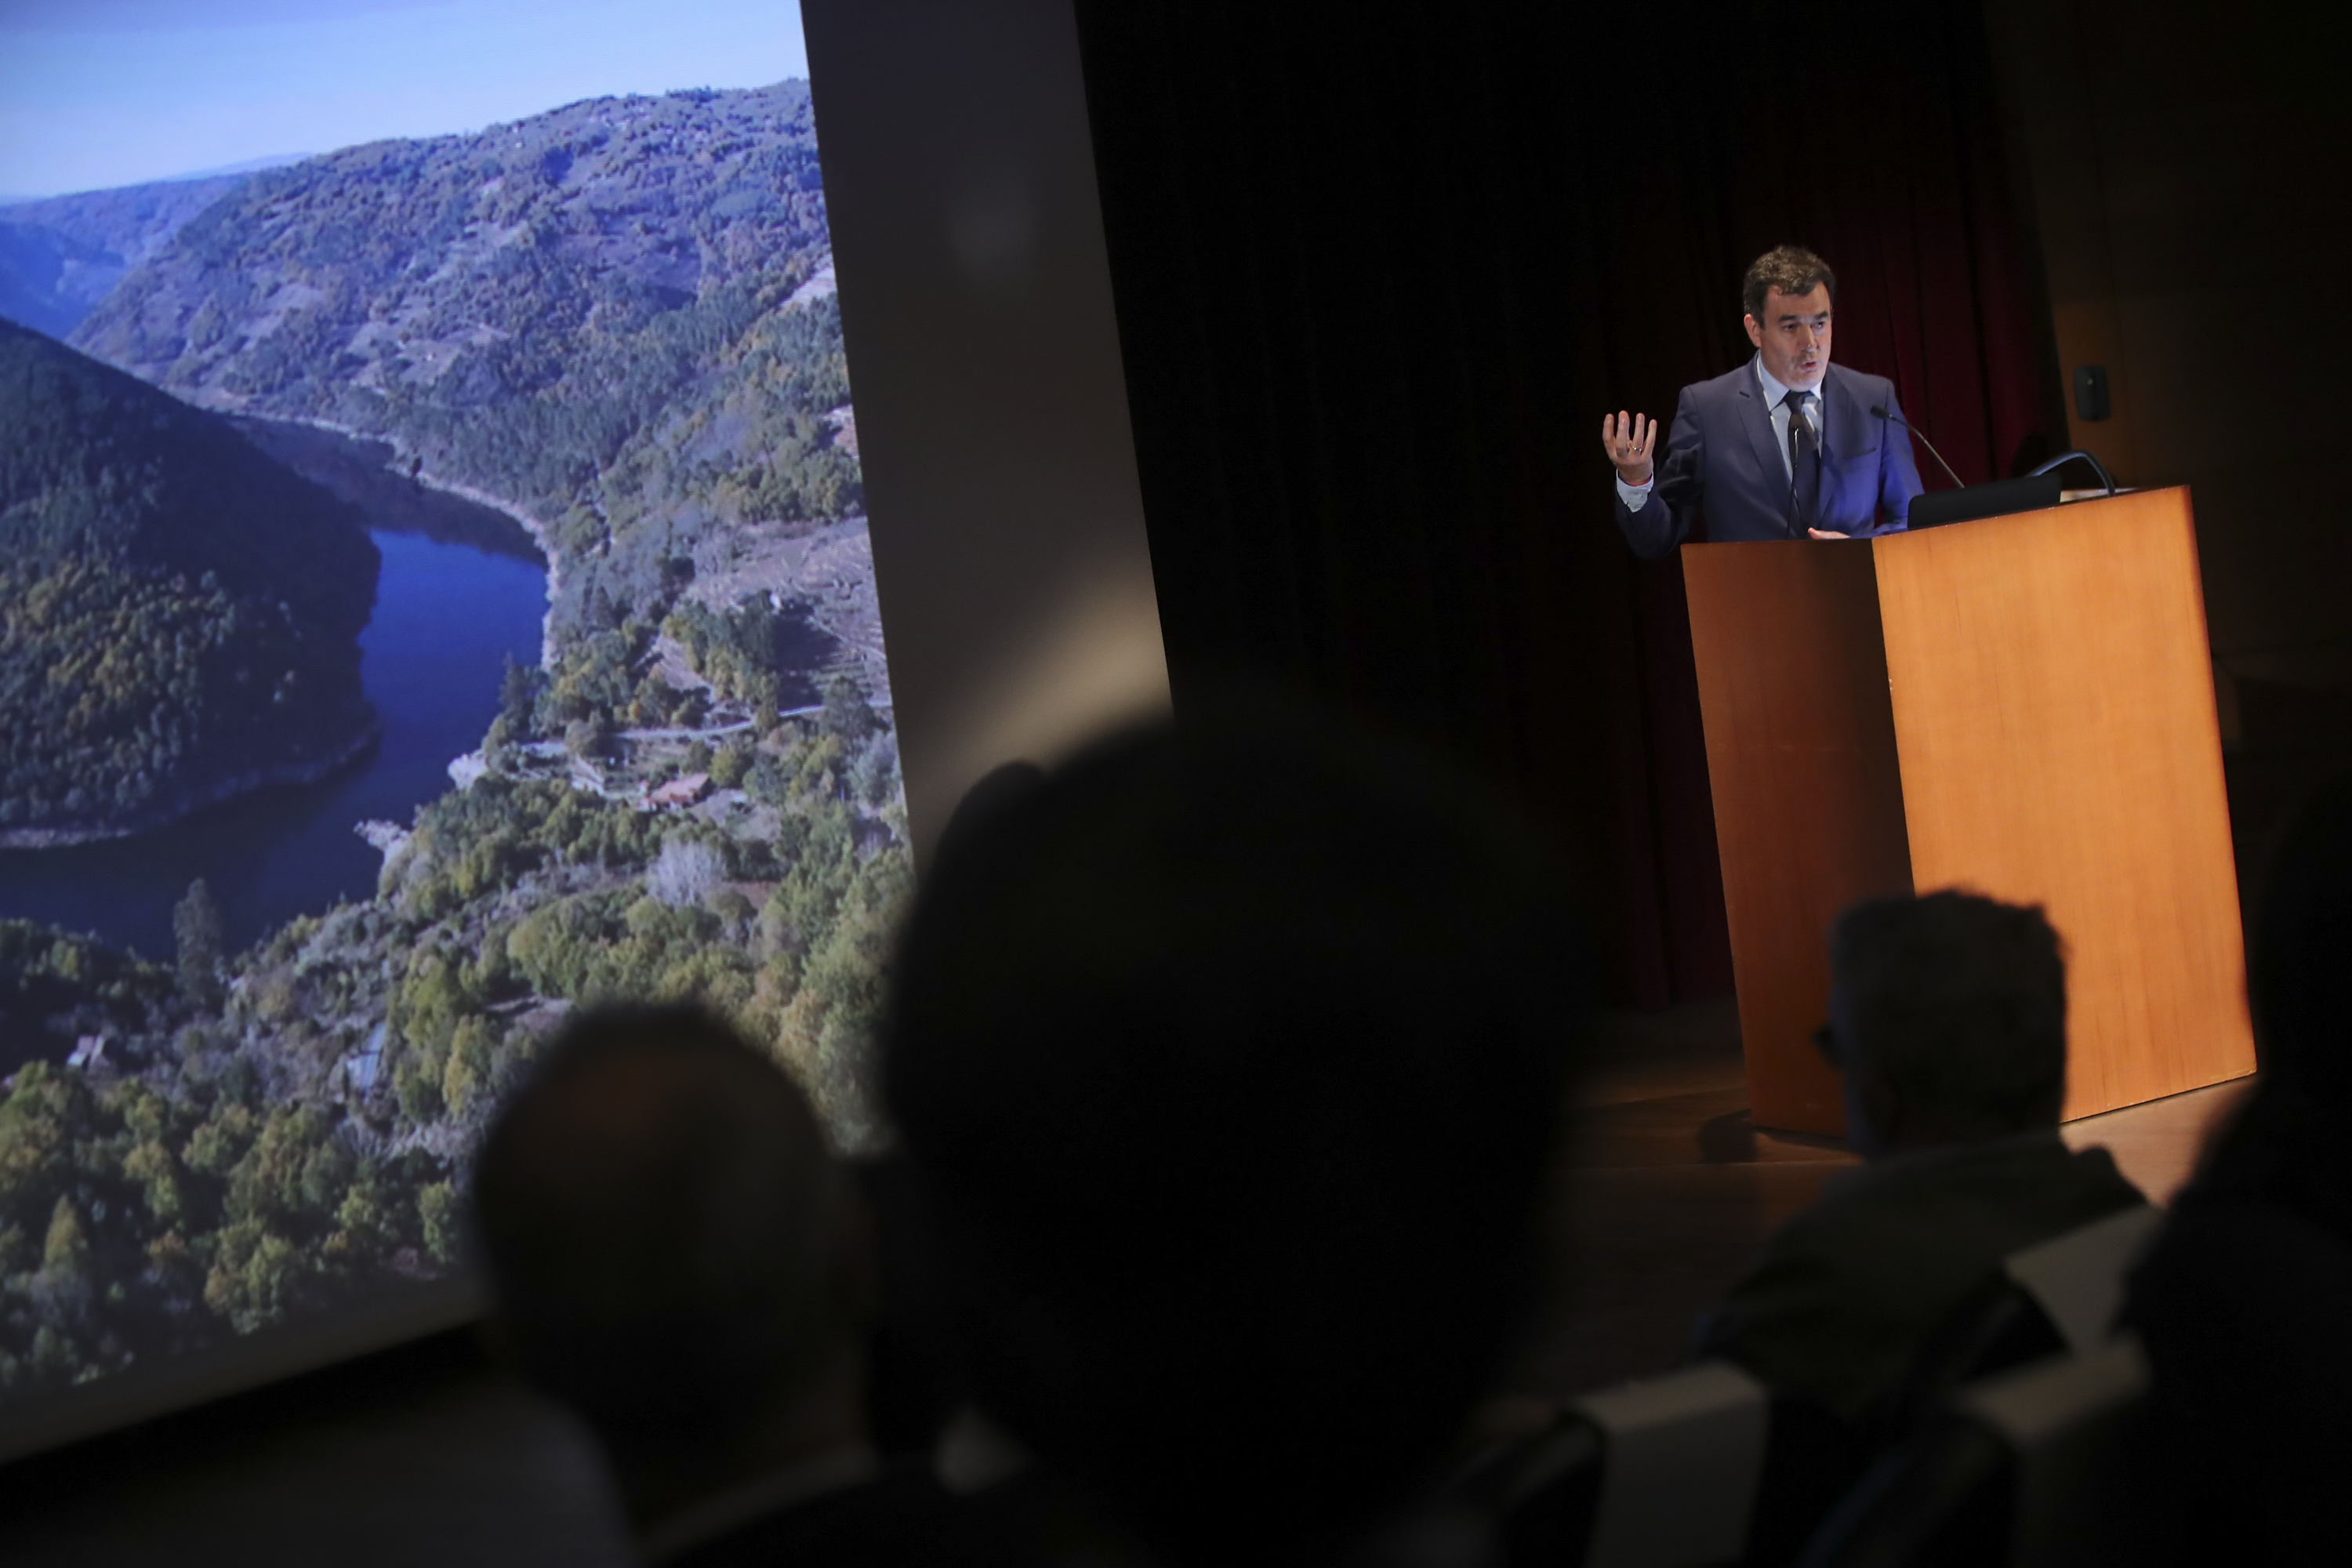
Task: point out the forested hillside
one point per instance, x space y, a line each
59 257
616 321
616 315
270 1132
178 614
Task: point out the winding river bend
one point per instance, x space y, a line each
449 616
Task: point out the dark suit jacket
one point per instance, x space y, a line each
1721 454
1848 1291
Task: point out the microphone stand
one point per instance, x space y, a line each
2097 468
1884 411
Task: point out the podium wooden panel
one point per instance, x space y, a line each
2023 706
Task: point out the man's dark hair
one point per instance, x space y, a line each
1230 1057
2303 952
657 1208
1790 269
1958 1002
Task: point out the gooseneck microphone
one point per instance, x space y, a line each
1880 410
2063 458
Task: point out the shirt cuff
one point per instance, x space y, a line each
1635 497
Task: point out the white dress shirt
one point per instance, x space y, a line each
1776 398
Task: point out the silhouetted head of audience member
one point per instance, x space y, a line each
997 790
2300 972
1948 1020
1231 1056
675 1253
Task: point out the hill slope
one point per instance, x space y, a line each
179 615
60 256
617 314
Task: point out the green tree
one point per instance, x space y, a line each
65 1254
437 1211
292 1169
826 1033
734 910
519 695
197 927
731 765
846 713
466 1080
150 1164
258 1276
367 1223
40 1121
221 1139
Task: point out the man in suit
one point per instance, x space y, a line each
1948 1020
1786 446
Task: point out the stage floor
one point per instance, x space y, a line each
1666 1188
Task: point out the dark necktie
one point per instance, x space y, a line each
1804 465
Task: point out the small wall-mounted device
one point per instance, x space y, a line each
2090 392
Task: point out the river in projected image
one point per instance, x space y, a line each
447 618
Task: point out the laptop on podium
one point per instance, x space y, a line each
1997 499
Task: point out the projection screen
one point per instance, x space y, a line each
440 551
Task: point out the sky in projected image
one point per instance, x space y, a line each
97 94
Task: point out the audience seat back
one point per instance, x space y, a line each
2077 1278
2063 1295
1540 1493
2063 1421
1700 1466
1682 1456
2020 1471
1998 1327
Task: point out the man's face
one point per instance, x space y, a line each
1794 336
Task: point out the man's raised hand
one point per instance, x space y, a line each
1628 438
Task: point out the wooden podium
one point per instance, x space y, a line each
2021 706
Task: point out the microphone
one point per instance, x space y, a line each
1881 411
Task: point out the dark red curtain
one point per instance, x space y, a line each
1380 269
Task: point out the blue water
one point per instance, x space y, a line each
448 616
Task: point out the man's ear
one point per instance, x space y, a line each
1755 332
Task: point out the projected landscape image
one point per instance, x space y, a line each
435 593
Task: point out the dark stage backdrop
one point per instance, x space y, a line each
1381 268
